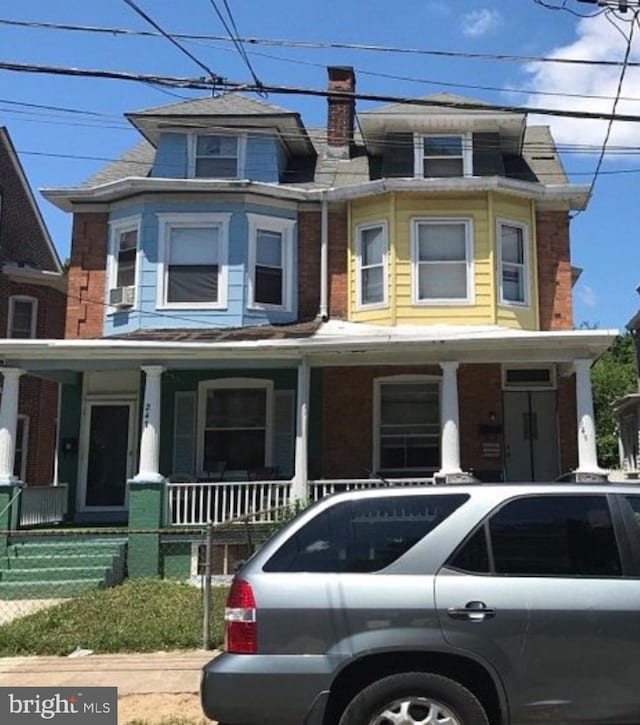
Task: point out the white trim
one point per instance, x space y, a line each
241 157
360 305
500 223
24 446
282 226
89 401
205 220
34 316
397 380
466 142
238 384
469 247
551 385
116 228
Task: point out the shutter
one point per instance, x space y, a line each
487 156
397 158
284 436
184 432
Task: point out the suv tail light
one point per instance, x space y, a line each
241 632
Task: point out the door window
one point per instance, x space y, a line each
108 455
568 536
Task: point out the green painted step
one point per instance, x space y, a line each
54 561
48 590
55 575
70 548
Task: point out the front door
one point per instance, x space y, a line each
531 435
106 454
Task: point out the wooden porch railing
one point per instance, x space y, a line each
43 505
321 488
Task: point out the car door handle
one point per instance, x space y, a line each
472 611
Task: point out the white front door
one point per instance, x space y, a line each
531 435
106 454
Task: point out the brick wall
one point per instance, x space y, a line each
85 306
340 111
567 423
554 270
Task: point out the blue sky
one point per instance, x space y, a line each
603 238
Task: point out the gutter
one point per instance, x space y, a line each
324 258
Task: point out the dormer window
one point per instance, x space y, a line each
442 155
217 156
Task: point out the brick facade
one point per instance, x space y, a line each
554 270
87 272
340 110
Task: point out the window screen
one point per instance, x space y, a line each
363 536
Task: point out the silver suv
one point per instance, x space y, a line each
444 605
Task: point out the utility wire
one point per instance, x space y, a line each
172 40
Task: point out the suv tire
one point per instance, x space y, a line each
413 694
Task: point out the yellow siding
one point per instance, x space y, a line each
483 209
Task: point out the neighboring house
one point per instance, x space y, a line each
628 412
32 305
260 311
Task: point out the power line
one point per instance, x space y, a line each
171 39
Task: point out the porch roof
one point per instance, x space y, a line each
334 343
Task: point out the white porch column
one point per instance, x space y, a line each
449 420
149 459
587 452
299 485
9 422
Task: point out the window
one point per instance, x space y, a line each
216 156
529 378
235 425
22 440
363 536
441 261
23 314
270 262
194 268
408 426
123 252
372 264
512 261
546 536
442 155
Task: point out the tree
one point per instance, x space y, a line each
613 376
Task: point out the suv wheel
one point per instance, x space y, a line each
414 698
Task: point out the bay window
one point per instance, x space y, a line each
371 255
513 263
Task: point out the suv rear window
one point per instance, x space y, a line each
363 536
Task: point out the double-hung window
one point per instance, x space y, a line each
442 155
216 156
124 235
442 261
372 246
512 255
194 256
270 262
23 317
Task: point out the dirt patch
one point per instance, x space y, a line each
155 709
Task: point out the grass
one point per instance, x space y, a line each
141 615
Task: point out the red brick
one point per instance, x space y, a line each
554 271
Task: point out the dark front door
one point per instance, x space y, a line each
108 455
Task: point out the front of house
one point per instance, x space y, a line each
259 312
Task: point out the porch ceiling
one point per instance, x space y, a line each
335 343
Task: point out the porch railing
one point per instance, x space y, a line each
43 504
321 488
193 504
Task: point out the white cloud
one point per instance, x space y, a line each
587 296
477 23
596 39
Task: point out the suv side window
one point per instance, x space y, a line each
363 536
545 536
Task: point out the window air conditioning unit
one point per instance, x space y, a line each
121 297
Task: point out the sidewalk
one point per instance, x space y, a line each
134 674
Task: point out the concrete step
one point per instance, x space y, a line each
48 590
63 548
43 561
56 574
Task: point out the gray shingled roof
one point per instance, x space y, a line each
405 108
230 104
137 161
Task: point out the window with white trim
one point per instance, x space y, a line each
270 262
513 263
216 156
22 441
23 317
193 271
407 426
235 425
442 261
371 255
442 155
124 235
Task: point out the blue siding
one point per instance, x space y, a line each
171 156
262 159
146 316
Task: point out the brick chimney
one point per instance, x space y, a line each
341 112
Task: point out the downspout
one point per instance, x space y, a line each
324 258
